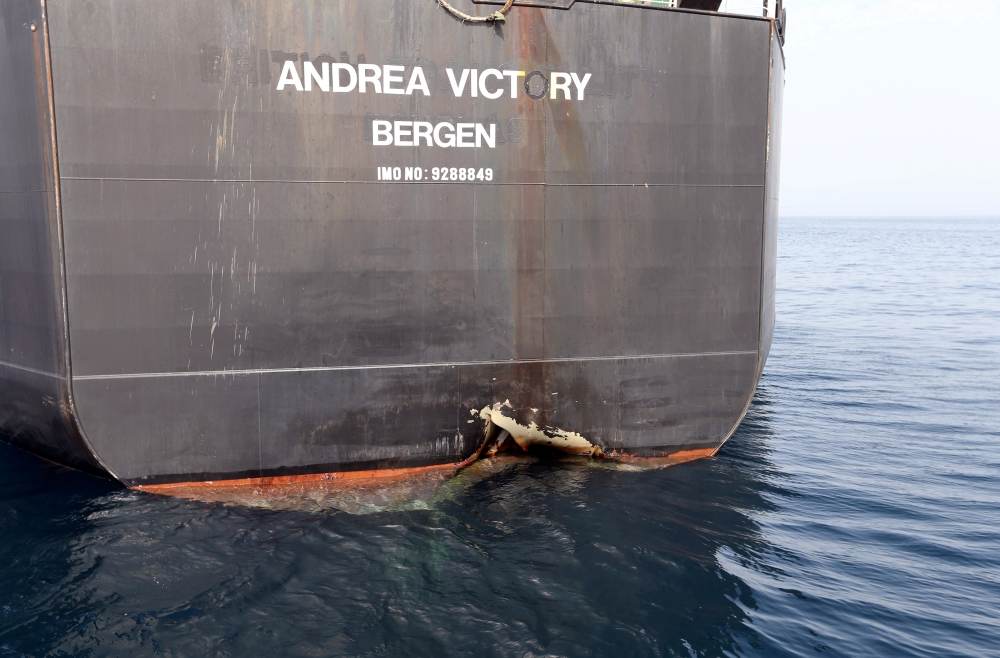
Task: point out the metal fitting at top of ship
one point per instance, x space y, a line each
295 238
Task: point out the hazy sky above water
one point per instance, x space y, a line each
892 108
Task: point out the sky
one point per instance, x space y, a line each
891 109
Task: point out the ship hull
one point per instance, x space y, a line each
207 277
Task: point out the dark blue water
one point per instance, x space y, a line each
856 512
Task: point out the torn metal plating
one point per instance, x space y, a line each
500 416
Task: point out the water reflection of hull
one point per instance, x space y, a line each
243 303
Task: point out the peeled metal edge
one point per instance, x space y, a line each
529 435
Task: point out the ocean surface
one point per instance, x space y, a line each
856 512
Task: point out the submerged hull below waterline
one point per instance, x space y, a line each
222 256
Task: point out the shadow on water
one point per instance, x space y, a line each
542 557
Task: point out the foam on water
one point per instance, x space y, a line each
855 512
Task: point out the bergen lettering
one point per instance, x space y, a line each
444 134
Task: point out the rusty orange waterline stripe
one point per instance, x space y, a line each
167 489
676 457
297 479
688 455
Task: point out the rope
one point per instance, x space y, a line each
495 17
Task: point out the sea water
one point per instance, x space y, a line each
856 512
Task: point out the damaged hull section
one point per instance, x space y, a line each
273 242
502 416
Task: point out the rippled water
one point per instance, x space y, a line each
855 512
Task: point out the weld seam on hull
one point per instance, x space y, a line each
54 375
264 371
373 182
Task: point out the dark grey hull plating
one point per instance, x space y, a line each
202 277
